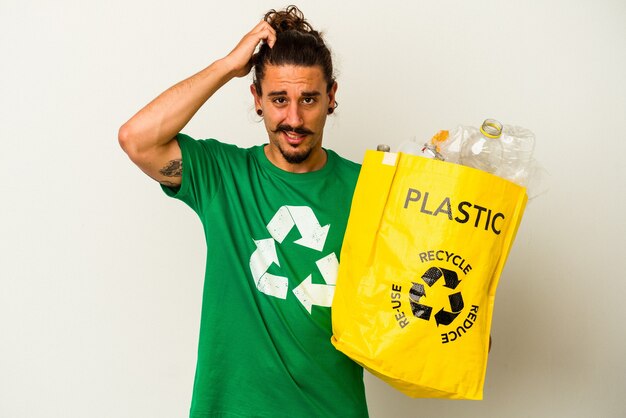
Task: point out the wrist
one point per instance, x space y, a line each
231 66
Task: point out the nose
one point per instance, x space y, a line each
293 115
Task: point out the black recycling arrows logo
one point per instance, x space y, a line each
430 277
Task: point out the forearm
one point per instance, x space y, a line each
148 137
158 123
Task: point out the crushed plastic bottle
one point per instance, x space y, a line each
430 149
518 145
484 149
412 147
507 151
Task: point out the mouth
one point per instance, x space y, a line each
293 138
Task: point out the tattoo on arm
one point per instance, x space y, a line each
173 169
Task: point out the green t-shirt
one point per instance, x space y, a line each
273 241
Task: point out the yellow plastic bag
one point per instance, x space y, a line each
424 248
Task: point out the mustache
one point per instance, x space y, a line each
289 128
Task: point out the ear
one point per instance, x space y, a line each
257 97
331 95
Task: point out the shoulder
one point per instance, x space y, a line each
344 164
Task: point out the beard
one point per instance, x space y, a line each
295 155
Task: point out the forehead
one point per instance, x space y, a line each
292 79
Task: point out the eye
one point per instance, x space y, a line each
279 100
308 100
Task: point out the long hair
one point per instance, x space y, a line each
297 43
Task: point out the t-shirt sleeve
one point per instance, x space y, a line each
200 174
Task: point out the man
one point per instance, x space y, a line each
274 217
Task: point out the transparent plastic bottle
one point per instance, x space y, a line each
483 150
429 149
518 144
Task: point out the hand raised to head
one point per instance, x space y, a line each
240 57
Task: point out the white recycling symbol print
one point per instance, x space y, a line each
313 236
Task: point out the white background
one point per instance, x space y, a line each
101 275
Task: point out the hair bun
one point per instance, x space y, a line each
291 18
297 43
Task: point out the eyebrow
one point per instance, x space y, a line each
304 93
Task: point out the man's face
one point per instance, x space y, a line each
295 104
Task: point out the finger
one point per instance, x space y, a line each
271 38
261 27
263 31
